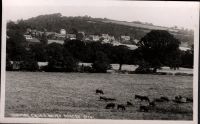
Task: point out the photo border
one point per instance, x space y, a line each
97 121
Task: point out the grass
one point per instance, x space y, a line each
74 94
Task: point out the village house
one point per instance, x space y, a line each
125 38
59 36
136 41
28 37
63 31
71 36
15 65
94 37
31 40
107 38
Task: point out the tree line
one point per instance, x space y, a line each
156 49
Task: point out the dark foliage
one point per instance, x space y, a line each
159 48
101 63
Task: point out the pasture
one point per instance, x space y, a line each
74 94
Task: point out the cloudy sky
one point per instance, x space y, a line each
182 14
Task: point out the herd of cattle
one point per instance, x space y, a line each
143 108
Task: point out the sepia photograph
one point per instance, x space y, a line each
99 60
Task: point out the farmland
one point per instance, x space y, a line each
74 94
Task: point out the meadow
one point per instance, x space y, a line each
73 94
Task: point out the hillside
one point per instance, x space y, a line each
55 22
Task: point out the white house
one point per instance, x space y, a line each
63 31
28 37
125 38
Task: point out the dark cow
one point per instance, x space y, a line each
159 100
152 104
121 106
189 99
178 97
98 91
129 103
103 98
142 98
107 99
164 98
111 99
110 105
144 108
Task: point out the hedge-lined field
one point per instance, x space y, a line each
74 94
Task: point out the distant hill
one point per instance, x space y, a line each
55 22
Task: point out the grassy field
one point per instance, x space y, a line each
72 95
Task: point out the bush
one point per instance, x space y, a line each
100 67
142 70
86 69
70 64
183 74
101 64
8 65
29 66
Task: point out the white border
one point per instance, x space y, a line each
97 121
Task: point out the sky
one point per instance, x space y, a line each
161 13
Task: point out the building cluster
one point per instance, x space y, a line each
32 37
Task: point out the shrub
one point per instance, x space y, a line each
101 64
29 66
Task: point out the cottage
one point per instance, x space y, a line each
94 37
60 36
71 36
28 37
107 38
125 38
32 41
15 65
63 31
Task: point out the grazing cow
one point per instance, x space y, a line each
121 106
107 99
181 100
110 105
144 108
142 98
111 99
152 104
129 103
189 99
164 98
178 97
98 91
159 100
103 98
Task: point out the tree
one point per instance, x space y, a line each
39 52
44 40
15 47
101 64
69 62
187 58
77 48
55 57
79 36
121 54
159 48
